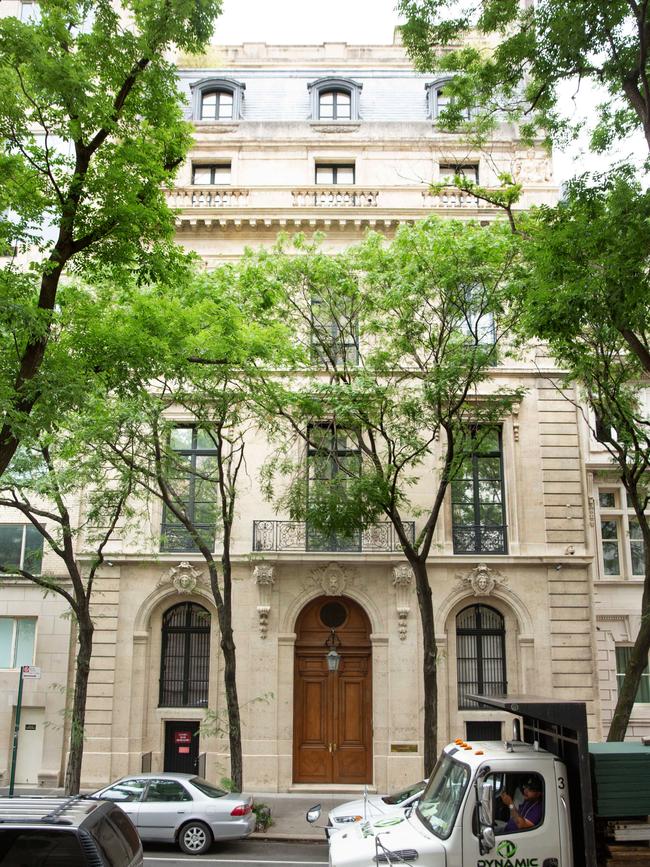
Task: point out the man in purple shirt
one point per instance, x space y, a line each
530 812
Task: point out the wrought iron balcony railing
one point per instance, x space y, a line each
298 536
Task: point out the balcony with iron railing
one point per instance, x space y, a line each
278 536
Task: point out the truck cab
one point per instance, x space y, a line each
464 816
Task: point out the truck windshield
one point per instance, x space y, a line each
442 798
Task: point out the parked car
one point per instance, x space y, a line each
182 809
374 806
66 832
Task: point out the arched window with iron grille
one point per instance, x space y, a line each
185 656
480 653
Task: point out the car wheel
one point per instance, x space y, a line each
195 838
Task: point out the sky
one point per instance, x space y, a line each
372 22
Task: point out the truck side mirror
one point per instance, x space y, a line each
487 840
313 814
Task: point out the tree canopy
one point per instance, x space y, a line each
91 129
510 58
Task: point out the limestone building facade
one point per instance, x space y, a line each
339 139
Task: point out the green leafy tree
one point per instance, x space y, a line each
44 483
583 289
91 130
394 347
183 435
511 56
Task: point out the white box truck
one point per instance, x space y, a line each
528 802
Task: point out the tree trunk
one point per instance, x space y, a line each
639 656
229 674
429 665
77 722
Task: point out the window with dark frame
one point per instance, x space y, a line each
17 641
477 497
448 171
21 547
195 488
335 173
333 458
185 656
480 653
334 105
334 336
214 174
217 105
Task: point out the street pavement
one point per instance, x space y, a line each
251 852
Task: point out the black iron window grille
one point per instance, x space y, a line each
185 656
334 460
480 653
477 497
192 477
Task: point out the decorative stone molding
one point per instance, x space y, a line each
184 578
515 421
402 581
333 578
264 575
482 580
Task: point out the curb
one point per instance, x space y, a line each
286 837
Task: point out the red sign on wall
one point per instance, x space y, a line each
183 750
182 738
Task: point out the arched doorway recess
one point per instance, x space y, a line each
332 733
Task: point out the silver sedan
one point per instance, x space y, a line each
181 808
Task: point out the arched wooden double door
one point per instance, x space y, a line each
332 732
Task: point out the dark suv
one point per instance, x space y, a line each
66 832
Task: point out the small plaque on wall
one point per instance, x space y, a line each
403 748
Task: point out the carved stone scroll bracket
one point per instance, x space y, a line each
184 578
402 581
265 579
482 580
332 579
515 421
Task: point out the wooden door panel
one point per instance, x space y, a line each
333 710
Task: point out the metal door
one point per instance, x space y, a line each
182 746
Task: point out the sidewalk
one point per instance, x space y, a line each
288 814
287 811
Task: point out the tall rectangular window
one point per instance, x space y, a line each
333 460
477 497
21 547
621 543
480 653
17 636
334 334
622 659
193 480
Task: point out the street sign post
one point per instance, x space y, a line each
26 671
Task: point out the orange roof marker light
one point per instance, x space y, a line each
479 752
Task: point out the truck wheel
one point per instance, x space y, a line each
195 838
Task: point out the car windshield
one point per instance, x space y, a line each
441 800
403 794
207 788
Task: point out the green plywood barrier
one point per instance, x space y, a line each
620 775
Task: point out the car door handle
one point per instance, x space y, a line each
180 812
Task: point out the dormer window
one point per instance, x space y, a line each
216 105
217 99
439 98
335 99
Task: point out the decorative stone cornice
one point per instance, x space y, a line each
482 580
